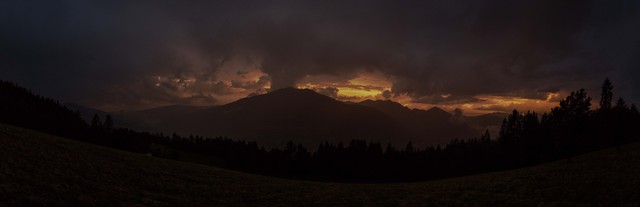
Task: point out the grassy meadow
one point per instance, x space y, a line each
37 169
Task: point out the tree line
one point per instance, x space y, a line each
525 138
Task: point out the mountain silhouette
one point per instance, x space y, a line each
306 117
490 121
424 127
301 115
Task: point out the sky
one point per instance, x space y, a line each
478 55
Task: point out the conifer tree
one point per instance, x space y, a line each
606 95
108 122
95 122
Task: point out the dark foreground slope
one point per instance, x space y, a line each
38 169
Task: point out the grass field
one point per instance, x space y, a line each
42 170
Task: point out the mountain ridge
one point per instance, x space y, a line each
301 115
307 117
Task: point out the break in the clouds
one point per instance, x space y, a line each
135 54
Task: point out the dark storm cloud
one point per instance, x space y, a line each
81 50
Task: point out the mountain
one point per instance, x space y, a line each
301 115
309 118
87 113
485 120
490 121
424 127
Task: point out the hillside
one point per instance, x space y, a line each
38 169
425 127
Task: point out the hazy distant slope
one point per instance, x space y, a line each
87 113
490 121
144 120
38 169
153 119
426 127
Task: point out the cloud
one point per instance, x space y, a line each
387 94
82 51
328 91
446 99
496 107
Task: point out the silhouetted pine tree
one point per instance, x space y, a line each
486 137
96 123
570 122
108 122
606 95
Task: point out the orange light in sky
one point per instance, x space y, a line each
363 86
366 85
486 104
372 86
357 93
506 104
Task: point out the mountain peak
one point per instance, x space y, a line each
286 97
438 111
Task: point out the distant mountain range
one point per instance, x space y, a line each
436 126
308 118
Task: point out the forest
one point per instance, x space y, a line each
573 127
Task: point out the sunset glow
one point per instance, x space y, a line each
372 86
361 87
239 83
319 103
420 64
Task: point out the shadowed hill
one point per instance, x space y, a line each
490 121
146 119
426 127
87 113
38 169
485 120
165 112
154 118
